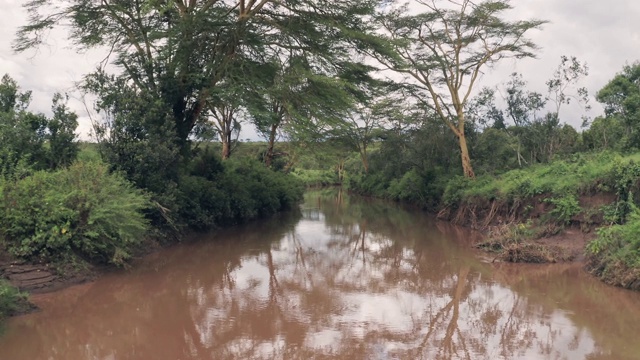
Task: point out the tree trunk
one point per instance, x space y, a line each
466 160
268 157
226 146
365 161
340 169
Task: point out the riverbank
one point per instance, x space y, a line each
579 209
535 230
69 225
542 214
359 262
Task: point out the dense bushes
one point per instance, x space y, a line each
80 211
87 212
615 255
419 188
581 173
316 177
215 194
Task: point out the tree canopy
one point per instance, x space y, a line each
193 55
444 49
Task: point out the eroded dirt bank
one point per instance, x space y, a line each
36 278
531 231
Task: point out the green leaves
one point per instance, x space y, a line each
195 55
82 210
11 300
24 135
443 50
621 100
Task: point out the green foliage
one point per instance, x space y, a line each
409 187
216 193
564 208
495 151
137 138
11 300
83 210
454 192
414 187
614 255
32 141
22 136
606 133
316 177
194 57
63 148
373 184
581 173
621 100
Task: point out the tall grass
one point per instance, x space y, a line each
615 255
11 300
582 173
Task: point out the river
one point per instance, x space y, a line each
343 278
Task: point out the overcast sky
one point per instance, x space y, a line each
604 34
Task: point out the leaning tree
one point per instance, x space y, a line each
444 50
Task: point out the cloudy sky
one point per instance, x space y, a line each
604 34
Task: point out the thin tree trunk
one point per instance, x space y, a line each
365 161
226 145
340 169
268 158
466 160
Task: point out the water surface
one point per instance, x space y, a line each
344 278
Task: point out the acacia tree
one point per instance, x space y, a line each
181 51
445 49
364 122
226 125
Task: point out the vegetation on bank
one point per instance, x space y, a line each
71 204
535 175
86 213
615 255
12 301
80 211
418 137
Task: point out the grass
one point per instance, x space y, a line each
582 173
316 177
615 255
12 301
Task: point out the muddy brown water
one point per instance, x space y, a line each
344 278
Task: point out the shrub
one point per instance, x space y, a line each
454 193
619 241
234 192
614 255
11 300
83 210
269 191
316 177
416 188
368 184
564 208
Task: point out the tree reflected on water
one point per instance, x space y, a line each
346 278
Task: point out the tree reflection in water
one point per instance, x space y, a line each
351 279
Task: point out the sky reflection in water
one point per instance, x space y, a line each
344 278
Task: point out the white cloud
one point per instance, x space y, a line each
604 34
